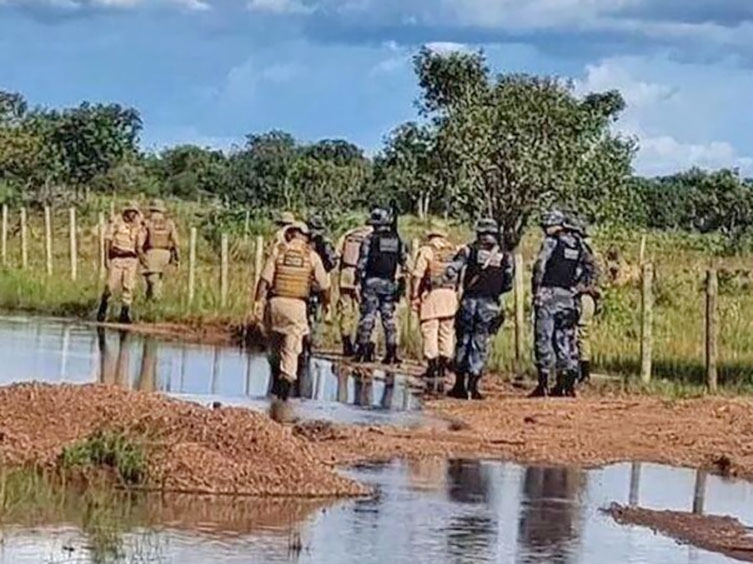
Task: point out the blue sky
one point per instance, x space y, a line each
210 71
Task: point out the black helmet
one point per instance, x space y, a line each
316 225
379 217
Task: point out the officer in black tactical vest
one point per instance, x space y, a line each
564 265
488 274
382 266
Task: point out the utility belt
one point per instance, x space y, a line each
157 248
120 253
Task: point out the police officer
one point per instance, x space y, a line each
488 273
563 265
588 302
380 272
283 221
160 248
348 249
436 301
285 286
326 250
124 248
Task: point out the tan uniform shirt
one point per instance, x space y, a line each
288 315
138 233
435 304
347 278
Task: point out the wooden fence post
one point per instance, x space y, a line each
24 241
74 251
635 483
519 297
246 226
223 271
646 322
48 239
5 235
258 262
192 267
102 258
699 492
712 328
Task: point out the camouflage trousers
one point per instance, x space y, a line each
476 324
555 329
378 297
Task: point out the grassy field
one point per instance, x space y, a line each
680 263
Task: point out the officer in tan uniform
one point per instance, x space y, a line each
289 276
348 249
283 221
160 248
436 301
124 247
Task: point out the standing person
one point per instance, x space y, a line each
564 263
124 248
285 286
488 275
348 249
160 248
436 301
326 250
588 302
380 277
284 220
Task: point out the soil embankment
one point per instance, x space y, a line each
725 535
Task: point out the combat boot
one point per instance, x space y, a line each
347 346
459 390
102 312
391 356
125 315
432 369
585 371
283 389
559 389
570 379
473 381
542 390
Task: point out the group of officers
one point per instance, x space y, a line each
456 292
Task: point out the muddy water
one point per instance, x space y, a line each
57 351
432 511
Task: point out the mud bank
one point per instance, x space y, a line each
724 535
187 447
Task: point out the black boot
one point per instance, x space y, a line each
585 371
391 356
283 389
125 315
473 381
370 348
459 391
432 369
542 390
347 346
570 379
102 312
559 388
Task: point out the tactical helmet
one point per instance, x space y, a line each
379 217
157 205
315 224
487 226
285 218
298 226
131 205
572 223
553 218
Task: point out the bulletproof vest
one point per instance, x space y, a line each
443 253
384 256
293 271
484 273
562 266
352 248
124 238
158 234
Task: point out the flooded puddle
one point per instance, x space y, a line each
429 511
55 351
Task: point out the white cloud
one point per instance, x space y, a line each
280 7
77 5
447 47
607 75
665 155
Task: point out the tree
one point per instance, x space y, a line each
515 143
189 171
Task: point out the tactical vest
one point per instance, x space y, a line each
384 256
562 267
293 270
352 248
484 273
158 234
124 239
442 256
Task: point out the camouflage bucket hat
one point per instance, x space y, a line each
298 226
131 205
285 218
157 206
487 226
436 231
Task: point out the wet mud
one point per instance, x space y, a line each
725 535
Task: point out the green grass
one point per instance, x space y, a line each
108 450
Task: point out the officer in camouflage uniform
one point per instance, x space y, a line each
326 251
124 248
160 248
564 265
348 250
488 274
382 265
